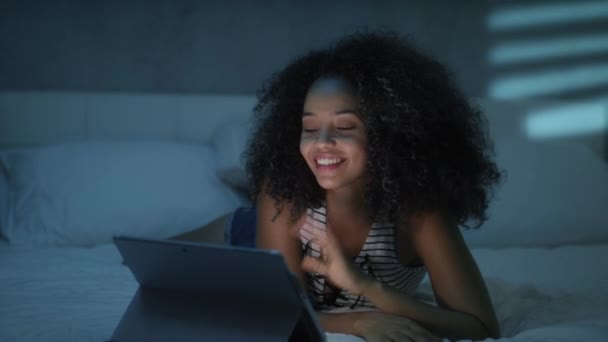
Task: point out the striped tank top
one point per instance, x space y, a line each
377 258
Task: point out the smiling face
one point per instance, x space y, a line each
334 139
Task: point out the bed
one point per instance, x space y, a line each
94 169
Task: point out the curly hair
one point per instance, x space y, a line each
428 147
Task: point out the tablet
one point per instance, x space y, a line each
196 291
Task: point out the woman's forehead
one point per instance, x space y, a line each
331 85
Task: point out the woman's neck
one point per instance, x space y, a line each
347 202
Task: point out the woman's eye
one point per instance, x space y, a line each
346 128
309 130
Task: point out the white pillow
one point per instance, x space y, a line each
85 193
229 143
554 194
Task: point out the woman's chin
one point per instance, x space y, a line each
328 184
333 183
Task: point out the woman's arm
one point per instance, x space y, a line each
376 326
277 232
344 323
465 308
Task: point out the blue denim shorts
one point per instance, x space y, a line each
240 228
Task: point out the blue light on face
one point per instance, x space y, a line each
550 82
571 120
548 14
533 50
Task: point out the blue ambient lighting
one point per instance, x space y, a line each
550 82
530 50
568 120
530 16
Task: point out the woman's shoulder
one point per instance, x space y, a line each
427 223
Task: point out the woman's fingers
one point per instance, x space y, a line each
411 329
416 331
378 338
313 265
326 238
410 335
392 337
395 328
399 336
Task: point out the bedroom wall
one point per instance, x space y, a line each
191 46
499 49
533 50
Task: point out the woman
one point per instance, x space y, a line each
364 163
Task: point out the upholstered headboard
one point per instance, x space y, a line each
553 192
33 118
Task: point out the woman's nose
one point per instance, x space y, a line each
325 137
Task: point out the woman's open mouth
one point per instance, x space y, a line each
328 164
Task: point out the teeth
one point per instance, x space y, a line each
327 161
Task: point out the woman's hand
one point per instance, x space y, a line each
378 326
334 265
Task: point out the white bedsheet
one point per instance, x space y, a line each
77 294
